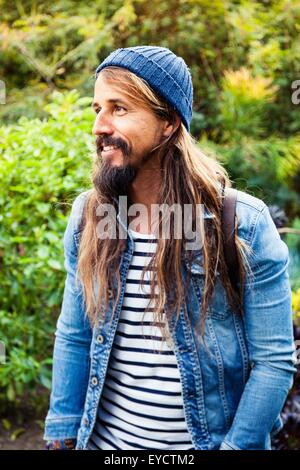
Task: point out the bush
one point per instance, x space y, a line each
45 164
267 168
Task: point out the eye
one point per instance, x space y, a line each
119 108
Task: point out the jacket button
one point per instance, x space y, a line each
110 293
94 380
100 339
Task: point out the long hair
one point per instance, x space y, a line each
188 177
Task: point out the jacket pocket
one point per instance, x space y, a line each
219 307
228 446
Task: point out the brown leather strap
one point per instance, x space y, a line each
228 225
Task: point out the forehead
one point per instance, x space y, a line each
104 88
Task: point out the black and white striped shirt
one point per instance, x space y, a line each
141 406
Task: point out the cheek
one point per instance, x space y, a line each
145 124
149 132
141 132
131 128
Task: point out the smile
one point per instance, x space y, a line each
109 150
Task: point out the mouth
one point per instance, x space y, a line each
109 150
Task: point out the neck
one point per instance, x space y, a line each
145 190
146 185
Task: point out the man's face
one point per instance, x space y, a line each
121 123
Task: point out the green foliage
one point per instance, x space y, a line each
293 242
57 45
243 104
44 165
296 306
268 168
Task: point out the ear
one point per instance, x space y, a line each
170 128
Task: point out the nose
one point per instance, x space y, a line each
102 125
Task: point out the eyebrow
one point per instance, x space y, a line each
112 100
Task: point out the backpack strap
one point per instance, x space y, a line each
228 226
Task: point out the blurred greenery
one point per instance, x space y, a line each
296 306
243 56
43 168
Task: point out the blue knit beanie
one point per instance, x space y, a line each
166 73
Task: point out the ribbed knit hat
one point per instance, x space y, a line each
166 73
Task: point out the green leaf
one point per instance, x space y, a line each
43 251
54 264
46 382
6 424
10 393
42 207
17 433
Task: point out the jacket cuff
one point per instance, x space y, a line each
63 444
60 428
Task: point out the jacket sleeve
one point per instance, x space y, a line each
73 336
268 322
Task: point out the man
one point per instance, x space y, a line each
132 368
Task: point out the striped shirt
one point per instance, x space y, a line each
141 406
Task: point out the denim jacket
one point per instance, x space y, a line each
233 389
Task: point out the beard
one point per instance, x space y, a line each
113 181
